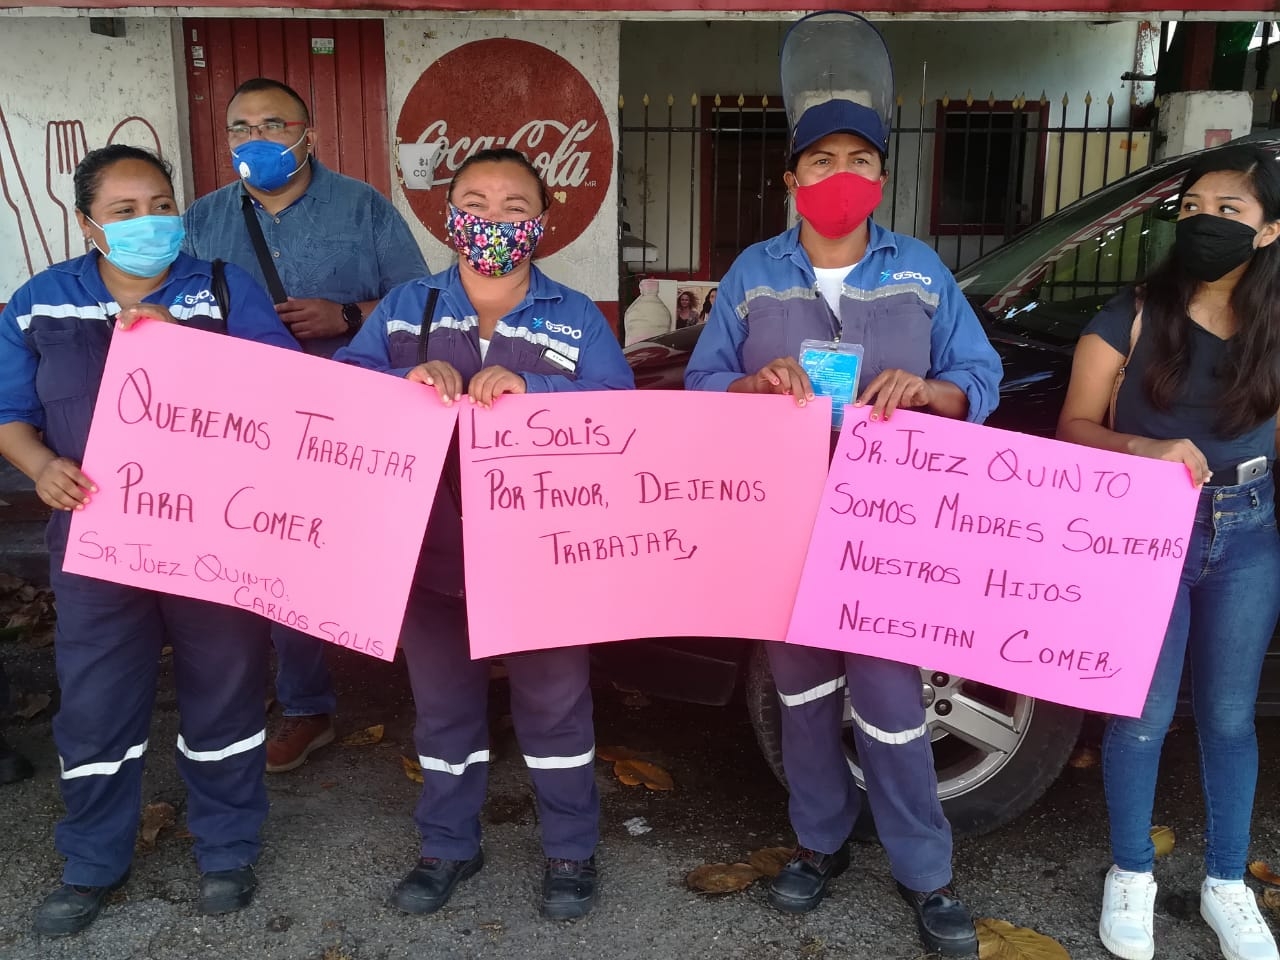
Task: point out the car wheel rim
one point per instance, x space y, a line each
975 729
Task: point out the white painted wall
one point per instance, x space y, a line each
590 263
1004 58
62 82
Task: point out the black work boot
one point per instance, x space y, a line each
72 907
428 886
226 891
945 924
568 888
802 883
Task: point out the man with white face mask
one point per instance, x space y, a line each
327 248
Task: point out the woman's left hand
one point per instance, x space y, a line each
127 317
491 383
893 389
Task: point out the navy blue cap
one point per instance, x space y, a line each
839 116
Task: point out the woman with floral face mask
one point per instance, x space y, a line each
1200 387
54 335
490 325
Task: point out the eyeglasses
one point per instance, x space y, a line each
242 131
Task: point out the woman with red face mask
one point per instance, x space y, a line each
834 282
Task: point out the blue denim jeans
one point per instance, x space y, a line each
303 685
1223 616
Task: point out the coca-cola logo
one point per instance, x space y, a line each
507 93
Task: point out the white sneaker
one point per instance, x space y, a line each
1231 910
1128 908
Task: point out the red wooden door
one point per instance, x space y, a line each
337 66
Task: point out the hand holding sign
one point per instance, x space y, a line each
129 316
1029 564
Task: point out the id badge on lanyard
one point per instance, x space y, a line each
834 370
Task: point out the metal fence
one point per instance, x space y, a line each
702 180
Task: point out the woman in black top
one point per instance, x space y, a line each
1202 388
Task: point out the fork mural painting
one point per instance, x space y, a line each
71 92
45 225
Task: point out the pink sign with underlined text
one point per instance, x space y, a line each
257 477
603 516
1029 564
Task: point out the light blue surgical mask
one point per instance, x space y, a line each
143 246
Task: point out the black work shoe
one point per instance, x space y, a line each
802 883
71 908
226 891
428 886
568 888
944 922
13 765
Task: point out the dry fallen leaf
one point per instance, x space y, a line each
1262 872
412 769
650 774
771 860
155 817
363 738
722 877
1271 899
30 704
1001 940
625 777
612 754
1163 838
41 638
1083 758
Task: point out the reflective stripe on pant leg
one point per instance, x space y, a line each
107 647
220 671
896 758
551 709
450 693
824 799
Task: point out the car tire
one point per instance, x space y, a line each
981 790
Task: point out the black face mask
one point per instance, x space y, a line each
1209 247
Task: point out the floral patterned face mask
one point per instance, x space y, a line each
492 248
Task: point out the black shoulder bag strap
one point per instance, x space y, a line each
269 273
221 294
452 473
428 314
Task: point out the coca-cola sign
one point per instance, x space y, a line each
507 93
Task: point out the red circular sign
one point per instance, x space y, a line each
508 93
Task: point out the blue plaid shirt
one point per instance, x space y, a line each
341 241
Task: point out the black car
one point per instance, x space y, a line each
996 752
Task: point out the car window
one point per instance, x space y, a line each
1048 283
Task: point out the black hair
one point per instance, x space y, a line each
503 155
266 84
1251 368
90 170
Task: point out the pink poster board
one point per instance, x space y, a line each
1037 566
593 517
256 477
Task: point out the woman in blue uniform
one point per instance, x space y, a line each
54 335
490 325
839 279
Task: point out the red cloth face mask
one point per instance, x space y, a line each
837 205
